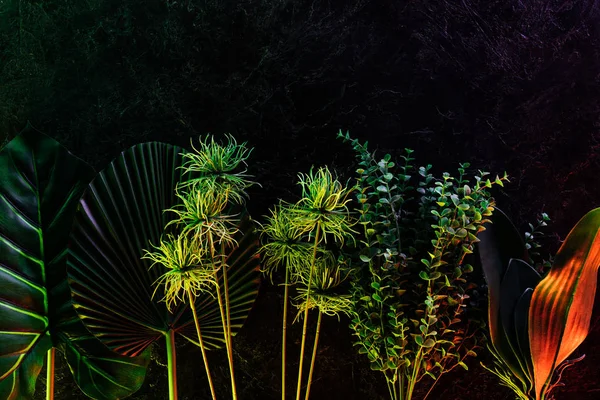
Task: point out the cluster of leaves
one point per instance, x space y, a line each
204 218
536 322
207 228
408 314
287 247
532 243
295 238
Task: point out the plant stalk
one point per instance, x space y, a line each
50 373
172 364
228 332
314 355
310 274
284 331
223 319
415 374
201 343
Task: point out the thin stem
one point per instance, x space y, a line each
390 387
193 307
310 274
415 373
284 331
228 314
401 386
171 364
223 319
314 355
433 384
50 374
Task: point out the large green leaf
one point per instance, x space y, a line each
100 373
112 286
515 292
40 185
499 243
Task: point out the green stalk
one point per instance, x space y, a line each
228 330
390 387
401 385
314 354
50 374
171 364
310 274
284 331
223 318
193 307
413 378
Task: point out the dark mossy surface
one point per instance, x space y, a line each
504 84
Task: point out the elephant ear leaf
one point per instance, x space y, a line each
40 185
561 305
121 215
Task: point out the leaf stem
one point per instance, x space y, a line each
171 364
223 318
228 330
50 374
310 274
200 342
284 330
314 354
415 374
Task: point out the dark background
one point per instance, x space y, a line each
507 85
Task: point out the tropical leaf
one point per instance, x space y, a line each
515 292
121 214
561 305
40 185
499 243
100 373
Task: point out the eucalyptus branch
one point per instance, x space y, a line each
404 311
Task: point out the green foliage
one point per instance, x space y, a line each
216 166
188 269
283 244
40 187
535 323
205 219
532 244
296 235
295 238
322 211
410 279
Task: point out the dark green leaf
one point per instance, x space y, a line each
40 185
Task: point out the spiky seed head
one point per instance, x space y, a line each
188 269
283 243
324 204
201 215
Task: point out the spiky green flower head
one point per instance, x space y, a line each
188 269
202 216
324 204
284 245
330 273
217 165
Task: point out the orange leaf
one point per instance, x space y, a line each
562 303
